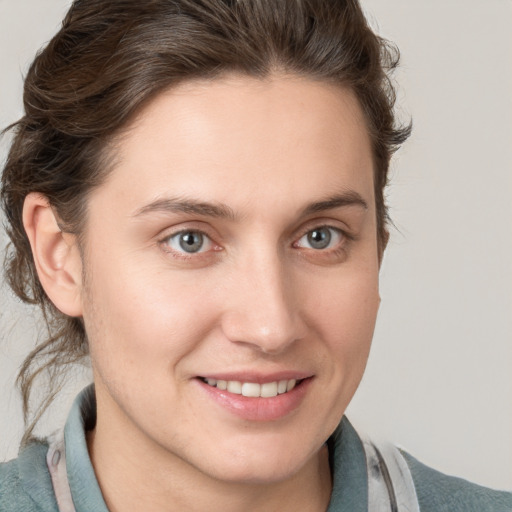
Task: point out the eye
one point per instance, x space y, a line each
320 238
190 242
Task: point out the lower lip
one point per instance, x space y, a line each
259 409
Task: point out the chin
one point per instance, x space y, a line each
261 461
256 472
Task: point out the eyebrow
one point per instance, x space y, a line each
222 211
177 205
349 198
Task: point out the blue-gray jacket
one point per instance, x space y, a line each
26 486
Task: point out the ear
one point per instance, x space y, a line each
57 258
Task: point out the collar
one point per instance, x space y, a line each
85 489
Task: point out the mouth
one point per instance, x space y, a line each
256 397
254 389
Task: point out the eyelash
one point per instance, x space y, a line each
344 238
337 233
165 242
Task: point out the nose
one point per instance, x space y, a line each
263 309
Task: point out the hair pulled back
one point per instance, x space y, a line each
110 57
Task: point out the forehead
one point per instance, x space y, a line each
238 138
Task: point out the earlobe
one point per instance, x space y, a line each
56 255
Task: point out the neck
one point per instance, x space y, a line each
134 475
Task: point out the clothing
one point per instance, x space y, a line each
26 485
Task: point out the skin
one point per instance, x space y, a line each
256 299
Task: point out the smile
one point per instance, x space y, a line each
253 389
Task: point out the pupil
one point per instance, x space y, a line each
319 238
191 242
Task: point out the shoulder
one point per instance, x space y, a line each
25 484
438 492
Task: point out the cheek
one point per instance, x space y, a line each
142 322
343 312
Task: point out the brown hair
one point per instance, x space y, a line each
109 58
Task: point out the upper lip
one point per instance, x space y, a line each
257 377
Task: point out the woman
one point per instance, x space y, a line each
195 199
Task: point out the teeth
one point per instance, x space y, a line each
269 389
253 389
235 387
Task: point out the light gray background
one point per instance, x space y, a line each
439 378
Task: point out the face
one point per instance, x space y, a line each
232 274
